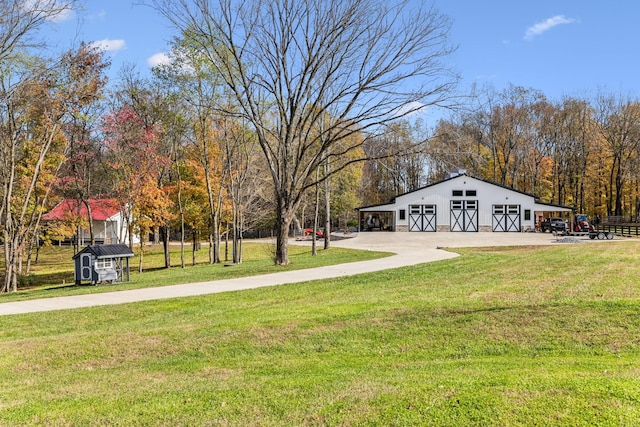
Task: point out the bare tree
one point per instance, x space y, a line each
291 63
20 20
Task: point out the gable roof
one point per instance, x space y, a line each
107 251
101 210
456 176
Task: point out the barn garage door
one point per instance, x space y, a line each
464 215
506 218
422 217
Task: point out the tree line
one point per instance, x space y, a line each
580 152
263 112
278 115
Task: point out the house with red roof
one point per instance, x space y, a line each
106 219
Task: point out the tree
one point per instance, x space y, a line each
134 156
20 21
239 154
78 174
619 125
571 146
22 76
193 80
290 63
395 167
32 144
155 117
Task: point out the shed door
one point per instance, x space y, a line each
506 218
422 217
464 215
86 269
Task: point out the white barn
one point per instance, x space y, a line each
459 203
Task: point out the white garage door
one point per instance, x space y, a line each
422 217
464 215
506 218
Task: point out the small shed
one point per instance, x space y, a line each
102 263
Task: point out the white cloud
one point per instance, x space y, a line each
109 45
546 25
54 10
409 109
159 59
62 15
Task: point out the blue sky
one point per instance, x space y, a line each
561 47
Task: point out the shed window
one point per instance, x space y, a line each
471 193
104 263
403 214
457 193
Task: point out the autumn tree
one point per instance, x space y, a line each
155 115
460 143
79 176
288 64
36 106
191 78
133 155
23 172
618 121
572 145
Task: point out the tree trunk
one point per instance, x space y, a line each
141 256
164 233
90 221
195 247
211 258
282 234
181 238
314 250
619 185
237 241
226 243
327 210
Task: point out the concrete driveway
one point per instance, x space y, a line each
409 249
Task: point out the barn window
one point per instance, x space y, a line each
471 193
457 193
403 214
527 214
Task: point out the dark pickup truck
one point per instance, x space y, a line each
553 224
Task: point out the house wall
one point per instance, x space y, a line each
487 195
107 232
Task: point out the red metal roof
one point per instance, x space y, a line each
101 210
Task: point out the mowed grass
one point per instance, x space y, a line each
513 336
53 275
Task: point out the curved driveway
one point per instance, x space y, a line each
409 249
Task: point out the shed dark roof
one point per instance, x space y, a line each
107 251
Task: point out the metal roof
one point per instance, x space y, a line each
462 173
101 210
107 251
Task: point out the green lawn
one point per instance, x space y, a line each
499 336
53 276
